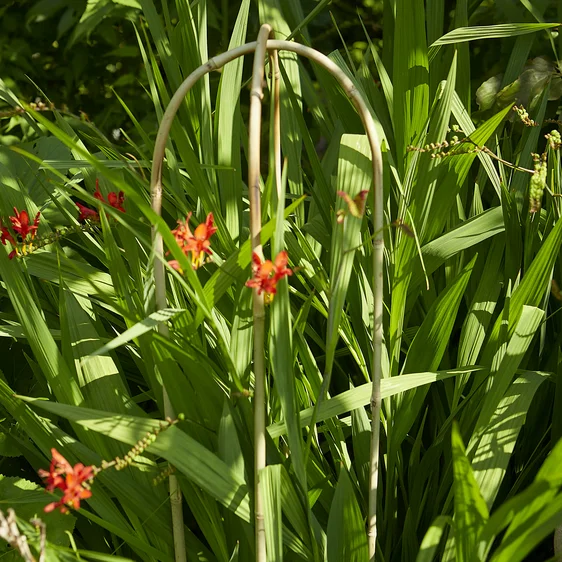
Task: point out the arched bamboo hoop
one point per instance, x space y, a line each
378 221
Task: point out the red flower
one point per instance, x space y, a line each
87 214
267 274
20 224
97 192
6 236
71 480
114 199
198 242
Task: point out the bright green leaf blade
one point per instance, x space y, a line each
471 512
270 483
140 328
361 396
432 538
347 539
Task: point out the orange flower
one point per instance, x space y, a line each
20 224
175 264
267 274
198 242
71 480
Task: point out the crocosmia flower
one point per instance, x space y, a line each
87 213
23 231
114 199
6 236
198 242
355 206
267 274
20 224
72 480
175 264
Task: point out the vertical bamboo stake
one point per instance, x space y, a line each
255 218
160 295
254 156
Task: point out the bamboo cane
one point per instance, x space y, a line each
254 149
378 222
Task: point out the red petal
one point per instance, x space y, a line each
97 192
209 224
116 200
86 213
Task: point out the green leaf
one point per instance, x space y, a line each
192 459
270 483
471 512
432 538
44 348
498 31
354 177
361 396
531 515
347 539
531 290
410 74
95 12
492 456
28 501
427 349
228 119
142 327
482 307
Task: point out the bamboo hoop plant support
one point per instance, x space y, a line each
260 47
254 151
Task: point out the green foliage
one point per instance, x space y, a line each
472 328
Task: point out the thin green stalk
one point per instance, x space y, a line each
254 147
378 222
